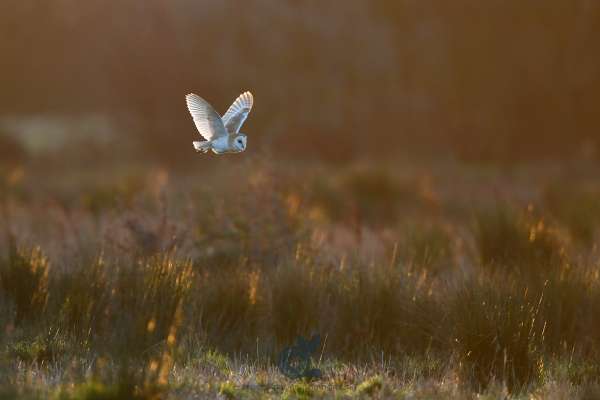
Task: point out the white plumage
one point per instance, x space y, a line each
222 134
238 112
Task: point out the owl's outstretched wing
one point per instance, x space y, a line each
238 112
207 120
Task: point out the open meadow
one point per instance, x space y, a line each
424 281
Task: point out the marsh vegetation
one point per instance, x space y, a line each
146 284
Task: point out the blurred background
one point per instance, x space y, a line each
504 81
421 179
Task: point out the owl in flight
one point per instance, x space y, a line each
222 134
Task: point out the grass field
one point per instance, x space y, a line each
425 281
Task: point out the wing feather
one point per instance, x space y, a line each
207 120
238 112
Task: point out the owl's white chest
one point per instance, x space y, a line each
223 145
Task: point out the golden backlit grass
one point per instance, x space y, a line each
161 287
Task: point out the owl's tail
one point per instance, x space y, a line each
202 146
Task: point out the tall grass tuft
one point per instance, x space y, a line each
222 302
24 281
144 312
498 334
298 297
81 297
381 309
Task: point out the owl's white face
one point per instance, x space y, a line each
240 142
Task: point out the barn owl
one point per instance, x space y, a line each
222 134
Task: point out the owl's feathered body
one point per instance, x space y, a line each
222 134
223 144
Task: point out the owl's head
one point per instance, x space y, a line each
240 142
